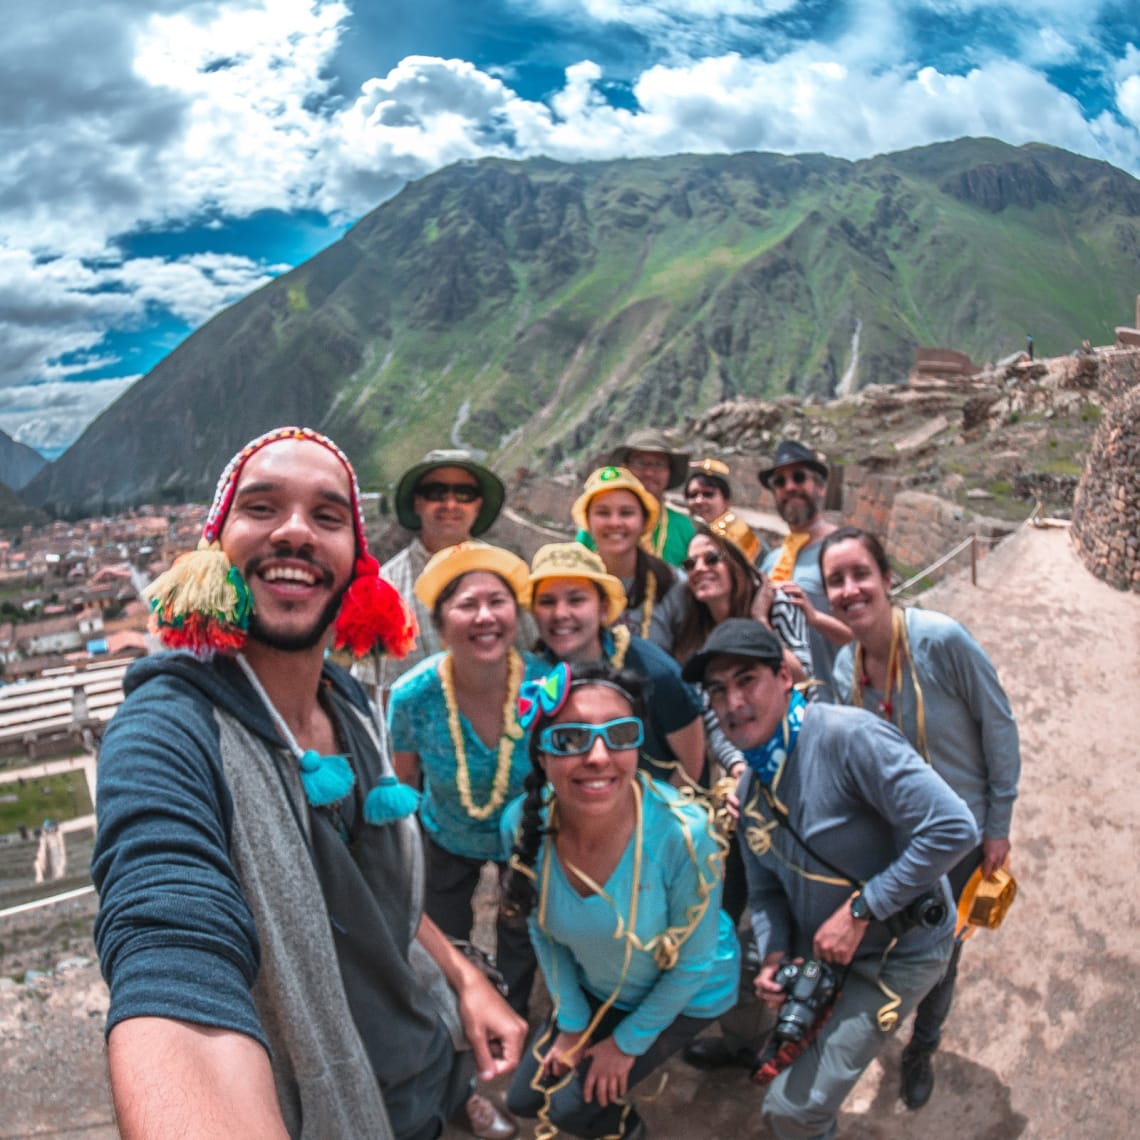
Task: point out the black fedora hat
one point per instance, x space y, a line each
790 452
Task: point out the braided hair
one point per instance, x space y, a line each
517 896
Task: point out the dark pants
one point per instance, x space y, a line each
460 1086
569 1111
451 883
935 1007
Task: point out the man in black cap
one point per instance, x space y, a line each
846 835
798 481
445 498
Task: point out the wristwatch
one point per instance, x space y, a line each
860 908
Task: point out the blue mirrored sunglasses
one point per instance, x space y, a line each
572 739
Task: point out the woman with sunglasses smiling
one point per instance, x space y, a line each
619 879
454 728
723 583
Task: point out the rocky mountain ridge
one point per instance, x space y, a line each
535 310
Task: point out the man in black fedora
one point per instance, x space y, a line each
797 479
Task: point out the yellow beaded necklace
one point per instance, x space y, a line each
511 733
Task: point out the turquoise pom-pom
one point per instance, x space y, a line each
390 800
326 779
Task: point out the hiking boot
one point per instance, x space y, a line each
917 1077
484 1119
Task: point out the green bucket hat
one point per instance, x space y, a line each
489 484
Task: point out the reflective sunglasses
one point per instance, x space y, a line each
572 739
460 492
799 477
710 558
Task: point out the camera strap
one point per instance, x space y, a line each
785 821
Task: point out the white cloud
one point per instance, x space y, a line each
133 115
50 416
429 112
49 311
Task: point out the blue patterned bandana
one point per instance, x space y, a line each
767 760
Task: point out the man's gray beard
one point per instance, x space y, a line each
799 513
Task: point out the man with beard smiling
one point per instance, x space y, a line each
260 922
797 479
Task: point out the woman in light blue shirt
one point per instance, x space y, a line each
925 673
619 878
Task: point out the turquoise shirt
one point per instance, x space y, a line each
579 954
417 722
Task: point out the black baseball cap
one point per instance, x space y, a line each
736 637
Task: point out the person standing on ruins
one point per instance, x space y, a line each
923 671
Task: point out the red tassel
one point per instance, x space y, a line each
373 615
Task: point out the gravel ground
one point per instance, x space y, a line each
1040 1042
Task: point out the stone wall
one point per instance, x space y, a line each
1106 510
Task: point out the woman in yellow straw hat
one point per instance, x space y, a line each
619 515
576 604
454 728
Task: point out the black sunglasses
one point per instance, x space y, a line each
709 558
460 492
799 477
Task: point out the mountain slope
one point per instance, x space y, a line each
535 309
19 464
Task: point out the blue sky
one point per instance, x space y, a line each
159 159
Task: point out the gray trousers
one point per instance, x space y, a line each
803 1102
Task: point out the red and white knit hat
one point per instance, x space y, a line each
203 604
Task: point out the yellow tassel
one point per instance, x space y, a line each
201 603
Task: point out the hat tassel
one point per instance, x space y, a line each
390 800
201 603
373 615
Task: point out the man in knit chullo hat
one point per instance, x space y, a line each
259 868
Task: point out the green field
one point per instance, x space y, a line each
60 797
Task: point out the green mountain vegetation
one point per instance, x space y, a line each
535 310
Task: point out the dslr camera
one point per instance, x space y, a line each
808 987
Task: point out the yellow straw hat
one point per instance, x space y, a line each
985 901
447 564
573 560
709 467
606 479
738 532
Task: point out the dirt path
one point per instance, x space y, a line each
1041 1042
